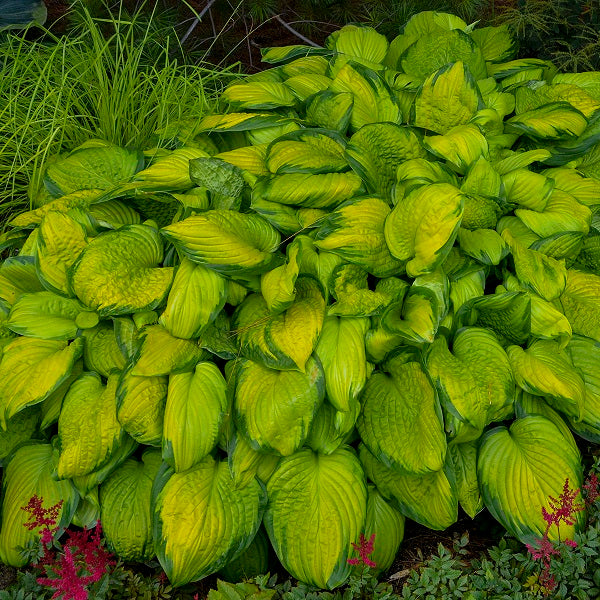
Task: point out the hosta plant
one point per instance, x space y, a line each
368 289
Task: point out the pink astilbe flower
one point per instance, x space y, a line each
364 548
563 508
591 489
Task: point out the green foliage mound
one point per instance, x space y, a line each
367 289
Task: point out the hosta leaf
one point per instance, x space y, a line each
88 429
113 214
309 65
100 167
141 406
274 409
387 524
194 412
324 190
118 273
240 122
60 240
497 43
580 303
248 158
258 95
507 314
416 172
545 370
306 85
19 429
519 469
447 98
484 245
401 421
429 21
254 561
45 315
537 272
374 100
284 54
358 41
101 352
307 151
585 356
530 97
52 404
325 497
197 296
341 350
31 369
201 520
283 218
226 241
585 190
461 146
355 231
223 180
423 225
553 121
160 353
332 428
375 151
528 189
28 474
125 508
429 499
330 110
18 276
278 286
464 460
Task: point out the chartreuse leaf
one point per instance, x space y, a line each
507 314
429 499
562 214
374 100
375 151
283 218
341 350
52 404
254 561
278 286
194 412
425 305
240 122
317 508
283 341
358 42
553 121
323 190
224 181
355 231
401 421
118 273
547 322
160 353
245 462
86 483
484 245
423 225
537 272
31 369
247 158
330 110
461 146
529 97
258 95
141 406
18 276
417 172
464 460
226 241
306 65
580 303
88 429
60 240
307 151
125 507
274 409
196 297
47 316
284 54
101 352
585 356
28 474
497 44
544 369
331 428
19 429
586 190
528 189
202 520
99 167
305 85
447 98
429 21
387 523
520 468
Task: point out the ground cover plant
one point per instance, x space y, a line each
367 289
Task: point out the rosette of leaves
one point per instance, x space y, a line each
369 291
